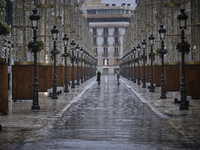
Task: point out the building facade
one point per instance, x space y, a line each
107 24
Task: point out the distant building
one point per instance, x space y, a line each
107 24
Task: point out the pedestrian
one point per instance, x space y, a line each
98 76
118 76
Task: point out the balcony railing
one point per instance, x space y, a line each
105 54
116 54
94 33
116 33
116 43
105 33
94 43
105 43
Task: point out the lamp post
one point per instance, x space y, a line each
81 51
77 61
144 59
84 55
138 49
129 66
34 20
182 17
131 53
151 38
134 52
54 32
162 37
73 48
65 40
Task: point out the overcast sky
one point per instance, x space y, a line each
119 2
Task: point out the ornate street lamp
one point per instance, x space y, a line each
73 77
34 20
138 49
144 59
81 51
84 55
134 52
131 53
77 61
129 65
54 32
65 40
151 38
162 32
182 17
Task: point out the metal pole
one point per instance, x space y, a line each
66 78
151 74
73 85
54 75
82 68
78 69
183 105
144 75
134 80
131 69
35 84
138 69
163 96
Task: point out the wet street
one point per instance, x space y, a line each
110 117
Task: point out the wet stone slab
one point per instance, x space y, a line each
109 116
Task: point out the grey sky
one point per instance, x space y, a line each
119 2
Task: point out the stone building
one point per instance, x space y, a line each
108 24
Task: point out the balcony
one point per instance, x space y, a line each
116 43
116 54
116 33
94 33
105 54
105 33
94 43
105 43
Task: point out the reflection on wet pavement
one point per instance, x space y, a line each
109 117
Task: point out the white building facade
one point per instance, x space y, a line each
107 24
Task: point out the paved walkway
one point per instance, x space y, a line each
23 124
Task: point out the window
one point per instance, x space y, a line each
94 41
105 31
116 50
105 51
94 31
105 40
121 11
105 62
91 11
116 61
95 50
116 40
116 31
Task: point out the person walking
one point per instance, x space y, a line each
118 76
98 76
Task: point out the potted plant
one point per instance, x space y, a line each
40 45
152 55
143 57
159 52
4 29
183 46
